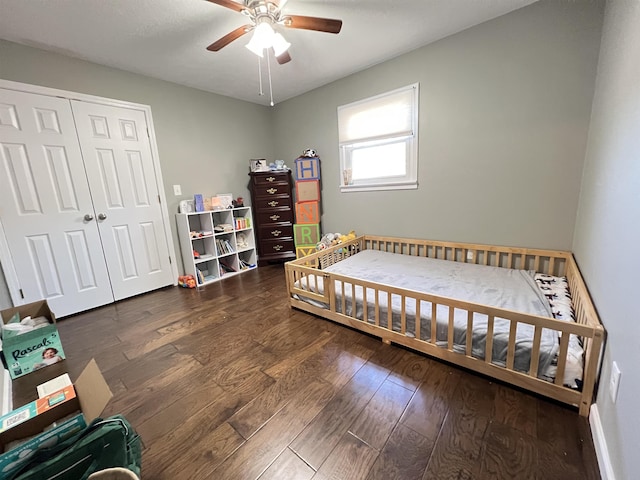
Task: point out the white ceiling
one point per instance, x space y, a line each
167 39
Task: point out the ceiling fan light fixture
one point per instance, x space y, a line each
255 47
264 34
265 37
280 45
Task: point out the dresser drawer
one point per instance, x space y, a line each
283 215
271 178
276 201
270 232
269 191
277 247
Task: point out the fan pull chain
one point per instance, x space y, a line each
260 92
269 70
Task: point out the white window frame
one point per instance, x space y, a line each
406 134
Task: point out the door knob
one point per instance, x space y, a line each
88 217
102 216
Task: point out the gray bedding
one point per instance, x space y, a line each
493 286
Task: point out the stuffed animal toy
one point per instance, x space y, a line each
350 236
327 240
187 281
331 239
309 152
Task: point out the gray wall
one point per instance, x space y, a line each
504 114
204 140
607 232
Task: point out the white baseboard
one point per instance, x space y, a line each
600 444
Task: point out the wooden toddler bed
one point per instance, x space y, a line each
424 295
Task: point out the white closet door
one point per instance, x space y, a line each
44 198
117 155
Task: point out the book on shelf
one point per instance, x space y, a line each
199 276
226 268
246 265
242 223
224 246
198 200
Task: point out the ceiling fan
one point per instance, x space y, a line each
263 16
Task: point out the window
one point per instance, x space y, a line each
379 142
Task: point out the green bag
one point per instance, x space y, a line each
105 443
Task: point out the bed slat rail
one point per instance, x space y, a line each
305 277
535 349
543 261
586 314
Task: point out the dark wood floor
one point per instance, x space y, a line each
229 383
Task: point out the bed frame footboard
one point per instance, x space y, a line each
326 293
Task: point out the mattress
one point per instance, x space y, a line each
510 289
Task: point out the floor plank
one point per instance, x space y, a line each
257 453
317 441
405 456
351 458
203 455
516 410
428 407
459 446
380 416
508 454
288 465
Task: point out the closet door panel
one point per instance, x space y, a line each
119 165
44 197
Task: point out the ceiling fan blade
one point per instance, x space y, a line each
238 7
229 37
283 58
328 25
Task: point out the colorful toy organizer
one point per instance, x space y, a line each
306 231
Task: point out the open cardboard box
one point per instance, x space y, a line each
87 398
23 353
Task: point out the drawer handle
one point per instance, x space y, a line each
274 217
270 179
272 190
273 203
278 247
276 233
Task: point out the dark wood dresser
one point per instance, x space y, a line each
273 215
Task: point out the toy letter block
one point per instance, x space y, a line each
304 250
308 191
306 234
308 212
308 168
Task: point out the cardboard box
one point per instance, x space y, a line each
86 399
25 353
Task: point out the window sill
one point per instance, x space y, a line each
378 187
